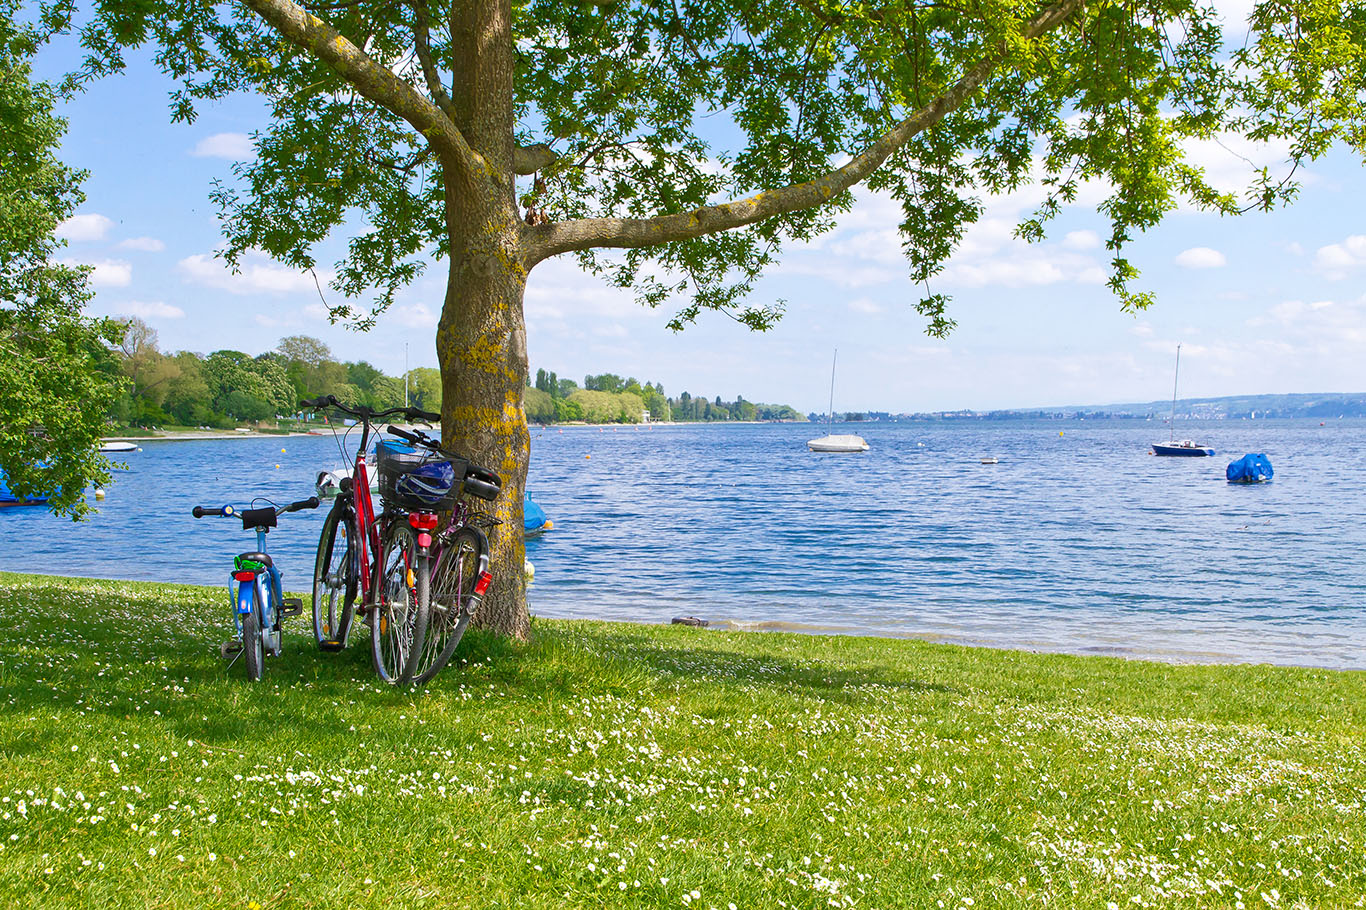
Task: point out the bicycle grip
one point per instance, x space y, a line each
198 512
404 434
309 503
428 416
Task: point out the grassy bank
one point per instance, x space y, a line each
643 766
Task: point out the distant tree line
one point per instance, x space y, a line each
227 387
609 398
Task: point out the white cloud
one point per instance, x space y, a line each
84 228
258 275
1230 162
1335 260
1081 240
415 316
143 244
865 305
1201 257
153 309
108 273
234 146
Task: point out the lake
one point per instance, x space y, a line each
1078 540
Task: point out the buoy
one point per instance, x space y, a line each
549 525
530 571
277 467
99 494
282 451
588 456
1060 432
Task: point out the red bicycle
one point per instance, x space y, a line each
417 588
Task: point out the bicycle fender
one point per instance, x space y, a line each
245 591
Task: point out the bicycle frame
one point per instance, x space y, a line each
252 589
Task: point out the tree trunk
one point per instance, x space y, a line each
481 339
481 345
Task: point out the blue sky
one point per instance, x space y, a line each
1263 303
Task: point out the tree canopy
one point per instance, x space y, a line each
58 379
675 148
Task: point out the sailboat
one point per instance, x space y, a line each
837 442
1173 446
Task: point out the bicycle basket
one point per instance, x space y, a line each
416 480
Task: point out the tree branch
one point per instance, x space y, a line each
375 82
543 241
528 159
422 41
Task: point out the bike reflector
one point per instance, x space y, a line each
244 576
482 585
423 521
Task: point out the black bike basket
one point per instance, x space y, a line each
394 460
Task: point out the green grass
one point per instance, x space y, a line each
640 766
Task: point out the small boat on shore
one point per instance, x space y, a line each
328 483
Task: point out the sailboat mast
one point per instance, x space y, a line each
1171 424
830 414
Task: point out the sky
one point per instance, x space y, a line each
1265 303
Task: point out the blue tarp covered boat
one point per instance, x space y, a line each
1249 469
9 498
534 521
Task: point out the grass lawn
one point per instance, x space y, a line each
639 766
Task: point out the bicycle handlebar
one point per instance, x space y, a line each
330 401
228 511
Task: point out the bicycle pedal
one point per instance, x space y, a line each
331 645
291 606
230 648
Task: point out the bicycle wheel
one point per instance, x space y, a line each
334 578
252 648
398 622
452 599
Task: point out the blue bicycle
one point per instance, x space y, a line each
254 592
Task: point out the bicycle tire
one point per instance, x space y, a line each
452 600
335 575
398 621
252 648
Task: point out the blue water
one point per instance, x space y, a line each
1077 541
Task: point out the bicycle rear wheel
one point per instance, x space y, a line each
398 622
452 599
335 577
253 649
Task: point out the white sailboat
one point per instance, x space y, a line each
836 442
1173 446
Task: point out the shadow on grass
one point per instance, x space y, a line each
567 660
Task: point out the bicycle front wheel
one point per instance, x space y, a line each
452 599
334 577
398 622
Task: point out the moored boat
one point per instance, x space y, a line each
534 520
1251 468
1181 447
838 442
10 498
1186 447
108 447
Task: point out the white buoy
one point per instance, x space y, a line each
530 571
99 494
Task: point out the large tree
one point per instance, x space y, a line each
674 146
57 377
